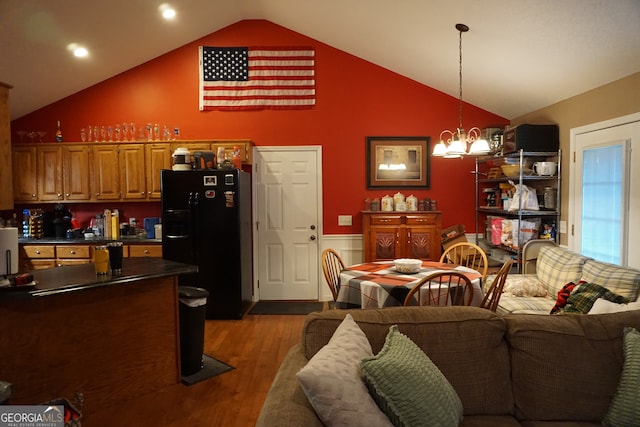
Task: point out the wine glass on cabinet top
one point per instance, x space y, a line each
21 134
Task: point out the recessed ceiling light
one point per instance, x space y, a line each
77 50
167 11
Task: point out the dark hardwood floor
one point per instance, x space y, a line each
255 346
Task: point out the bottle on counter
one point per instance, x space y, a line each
98 226
59 132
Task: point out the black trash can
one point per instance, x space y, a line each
193 307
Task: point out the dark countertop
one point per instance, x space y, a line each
53 241
58 280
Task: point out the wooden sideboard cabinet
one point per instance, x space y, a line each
393 235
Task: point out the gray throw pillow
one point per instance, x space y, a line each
409 387
333 383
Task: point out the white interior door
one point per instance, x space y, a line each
605 191
288 210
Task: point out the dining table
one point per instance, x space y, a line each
378 284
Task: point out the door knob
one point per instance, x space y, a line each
313 237
313 227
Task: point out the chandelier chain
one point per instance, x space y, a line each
460 75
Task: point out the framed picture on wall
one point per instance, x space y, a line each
398 161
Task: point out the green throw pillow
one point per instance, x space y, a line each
408 386
625 407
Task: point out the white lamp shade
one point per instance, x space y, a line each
479 147
440 149
456 148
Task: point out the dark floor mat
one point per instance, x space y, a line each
212 367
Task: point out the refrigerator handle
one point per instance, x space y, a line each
194 207
193 223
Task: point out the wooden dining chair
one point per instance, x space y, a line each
332 265
492 296
467 254
441 288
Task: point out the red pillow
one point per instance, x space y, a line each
563 296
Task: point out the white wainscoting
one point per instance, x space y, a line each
349 246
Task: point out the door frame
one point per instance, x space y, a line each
254 207
574 211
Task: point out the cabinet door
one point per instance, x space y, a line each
422 242
384 243
157 157
106 172
49 175
244 146
25 177
154 251
76 172
132 172
6 177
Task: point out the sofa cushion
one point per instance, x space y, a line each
624 410
332 380
466 343
509 305
408 386
557 266
584 295
566 367
621 280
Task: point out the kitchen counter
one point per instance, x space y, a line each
111 339
58 280
55 241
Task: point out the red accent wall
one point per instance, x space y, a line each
354 99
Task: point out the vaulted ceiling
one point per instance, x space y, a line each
519 55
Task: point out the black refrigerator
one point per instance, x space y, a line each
206 221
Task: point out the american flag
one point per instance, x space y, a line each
241 78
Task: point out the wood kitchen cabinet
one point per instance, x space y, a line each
76 172
144 250
133 181
105 169
25 173
97 172
49 172
6 176
393 235
157 157
39 256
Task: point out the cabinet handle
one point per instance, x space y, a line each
142 193
72 252
385 220
33 195
59 195
67 195
97 194
146 251
38 252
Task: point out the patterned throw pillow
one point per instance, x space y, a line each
522 285
333 382
582 299
624 409
563 296
409 387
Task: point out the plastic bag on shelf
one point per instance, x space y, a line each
529 198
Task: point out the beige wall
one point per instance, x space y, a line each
612 100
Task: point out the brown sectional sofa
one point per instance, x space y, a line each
520 369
